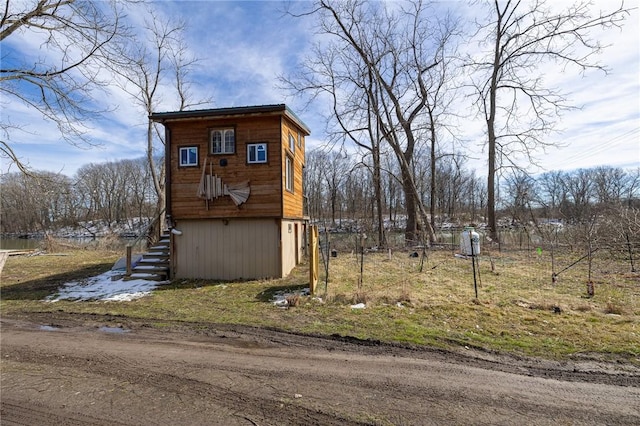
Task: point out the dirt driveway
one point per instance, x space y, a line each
63 369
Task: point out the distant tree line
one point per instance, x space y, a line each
340 195
116 194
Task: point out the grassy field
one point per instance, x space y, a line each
423 301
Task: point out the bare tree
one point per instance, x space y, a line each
115 193
335 174
377 72
163 59
517 106
77 37
314 182
521 192
36 202
609 184
580 188
552 192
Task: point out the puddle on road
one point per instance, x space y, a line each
113 330
105 329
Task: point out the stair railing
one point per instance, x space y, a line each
143 234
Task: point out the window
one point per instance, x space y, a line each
256 153
292 143
288 174
189 156
223 141
299 140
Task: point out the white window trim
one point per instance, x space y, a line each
223 144
187 148
288 174
256 147
292 143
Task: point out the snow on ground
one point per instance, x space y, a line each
106 287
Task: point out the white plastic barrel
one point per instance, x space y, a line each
469 239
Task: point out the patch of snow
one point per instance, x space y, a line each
281 303
109 286
280 298
121 264
359 306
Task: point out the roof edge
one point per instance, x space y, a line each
219 112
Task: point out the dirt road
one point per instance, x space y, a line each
92 370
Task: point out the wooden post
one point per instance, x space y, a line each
314 264
129 260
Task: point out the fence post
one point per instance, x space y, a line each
313 258
129 260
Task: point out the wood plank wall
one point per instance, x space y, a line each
268 197
292 202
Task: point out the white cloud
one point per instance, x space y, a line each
245 46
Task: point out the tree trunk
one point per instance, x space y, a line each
432 188
491 135
377 187
156 177
411 228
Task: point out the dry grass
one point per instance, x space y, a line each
519 309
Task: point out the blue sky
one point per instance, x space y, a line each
245 45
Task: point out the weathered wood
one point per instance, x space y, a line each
228 230
129 268
267 197
314 256
4 254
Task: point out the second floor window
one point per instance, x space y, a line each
256 153
189 156
223 141
288 174
292 143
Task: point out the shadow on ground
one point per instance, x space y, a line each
269 293
39 289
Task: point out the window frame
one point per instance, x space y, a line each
256 145
288 174
292 143
187 148
223 142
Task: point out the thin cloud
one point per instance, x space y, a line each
245 46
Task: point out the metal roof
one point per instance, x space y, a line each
230 111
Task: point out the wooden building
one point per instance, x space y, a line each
234 187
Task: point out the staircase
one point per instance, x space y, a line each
154 264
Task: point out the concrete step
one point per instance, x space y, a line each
154 261
154 265
150 272
146 276
154 253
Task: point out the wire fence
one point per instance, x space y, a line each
568 240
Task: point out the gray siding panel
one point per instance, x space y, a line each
241 249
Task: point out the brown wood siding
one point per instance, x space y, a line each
265 181
292 202
227 250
